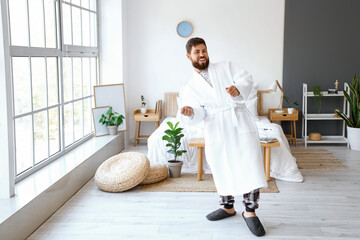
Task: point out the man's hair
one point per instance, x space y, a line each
193 42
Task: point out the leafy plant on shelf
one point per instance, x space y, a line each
289 103
173 137
318 97
111 118
354 102
143 103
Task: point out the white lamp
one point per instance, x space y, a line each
272 89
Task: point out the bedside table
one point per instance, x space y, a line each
149 116
285 116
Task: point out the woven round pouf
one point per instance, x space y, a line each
122 172
158 172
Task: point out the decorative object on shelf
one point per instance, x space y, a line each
184 29
334 90
112 120
318 97
143 105
173 137
352 120
336 85
315 136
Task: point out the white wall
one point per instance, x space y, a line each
247 32
110 42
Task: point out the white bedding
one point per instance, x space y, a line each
282 166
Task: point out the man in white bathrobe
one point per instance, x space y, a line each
216 95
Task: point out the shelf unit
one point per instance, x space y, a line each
307 117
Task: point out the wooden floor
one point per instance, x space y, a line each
325 206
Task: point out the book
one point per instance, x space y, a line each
268 140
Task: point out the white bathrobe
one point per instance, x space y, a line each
232 146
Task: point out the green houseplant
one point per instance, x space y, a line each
112 120
318 97
290 104
173 137
353 121
143 105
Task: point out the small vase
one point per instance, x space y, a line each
290 110
113 130
143 110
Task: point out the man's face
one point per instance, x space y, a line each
199 57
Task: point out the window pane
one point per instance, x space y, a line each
40 136
76 2
67 78
67 24
52 77
78 120
69 131
76 26
77 78
85 3
24 144
87 116
38 82
19 23
22 87
36 18
86 76
50 23
93 5
93 30
85 27
54 134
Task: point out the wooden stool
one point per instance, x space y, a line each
200 144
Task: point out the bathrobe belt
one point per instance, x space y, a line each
232 107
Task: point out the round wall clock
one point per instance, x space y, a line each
184 29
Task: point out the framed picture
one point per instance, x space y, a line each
112 95
100 129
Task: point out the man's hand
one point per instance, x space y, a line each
187 111
232 91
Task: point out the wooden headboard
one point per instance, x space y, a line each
170 104
171 107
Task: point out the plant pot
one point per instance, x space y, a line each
143 110
113 130
290 110
175 168
353 135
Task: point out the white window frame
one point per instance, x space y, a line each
59 52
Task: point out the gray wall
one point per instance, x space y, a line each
321 44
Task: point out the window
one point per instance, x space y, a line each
54 56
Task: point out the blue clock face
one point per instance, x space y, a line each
184 29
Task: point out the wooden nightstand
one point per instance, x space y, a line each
285 116
149 116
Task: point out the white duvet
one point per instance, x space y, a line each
282 166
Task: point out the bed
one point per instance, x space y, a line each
283 163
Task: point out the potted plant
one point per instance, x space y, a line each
290 104
112 120
173 137
318 97
143 104
353 121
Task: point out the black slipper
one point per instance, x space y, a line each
254 225
218 215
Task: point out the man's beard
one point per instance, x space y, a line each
202 66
